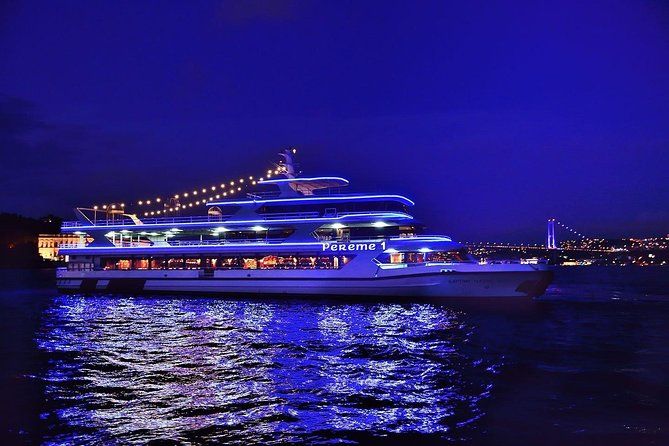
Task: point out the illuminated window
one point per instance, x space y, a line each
192 263
250 263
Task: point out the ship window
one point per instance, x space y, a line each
108 263
449 256
278 262
454 256
141 264
175 263
397 257
268 262
123 264
250 263
157 263
228 262
193 263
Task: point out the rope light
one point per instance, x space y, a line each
172 203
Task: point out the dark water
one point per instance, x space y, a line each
587 364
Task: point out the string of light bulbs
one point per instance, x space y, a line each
177 202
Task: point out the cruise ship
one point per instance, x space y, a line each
292 235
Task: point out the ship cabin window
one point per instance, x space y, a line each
141 263
328 209
80 266
193 263
290 261
116 263
175 263
158 263
454 256
282 261
249 263
229 262
357 233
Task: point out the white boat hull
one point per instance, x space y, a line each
439 283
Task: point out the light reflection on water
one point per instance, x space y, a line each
194 370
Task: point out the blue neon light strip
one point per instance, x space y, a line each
222 245
386 215
293 180
405 200
424 238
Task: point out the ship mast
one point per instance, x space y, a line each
287 165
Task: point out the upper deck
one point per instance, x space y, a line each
282 210
260 210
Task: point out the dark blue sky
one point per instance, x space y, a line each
491 116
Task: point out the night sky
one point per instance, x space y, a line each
492 116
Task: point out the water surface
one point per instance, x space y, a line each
588 363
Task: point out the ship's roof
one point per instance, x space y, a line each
307 186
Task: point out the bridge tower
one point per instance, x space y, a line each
550 238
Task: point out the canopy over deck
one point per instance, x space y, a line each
307 186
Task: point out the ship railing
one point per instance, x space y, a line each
223 242
263 195
181 243
152 220
71 245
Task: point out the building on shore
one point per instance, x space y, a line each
48 244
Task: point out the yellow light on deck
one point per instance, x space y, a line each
148 201
176 197
269 172
185 194
122 205
194 192
232 183
146 213
113 206
190 205
140 202
251 177
225 194
218 196
213 187
204 191
104 207
239 188
158 200
253 183
241 180
95 207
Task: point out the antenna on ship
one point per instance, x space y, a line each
286 166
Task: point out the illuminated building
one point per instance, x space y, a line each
48 245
